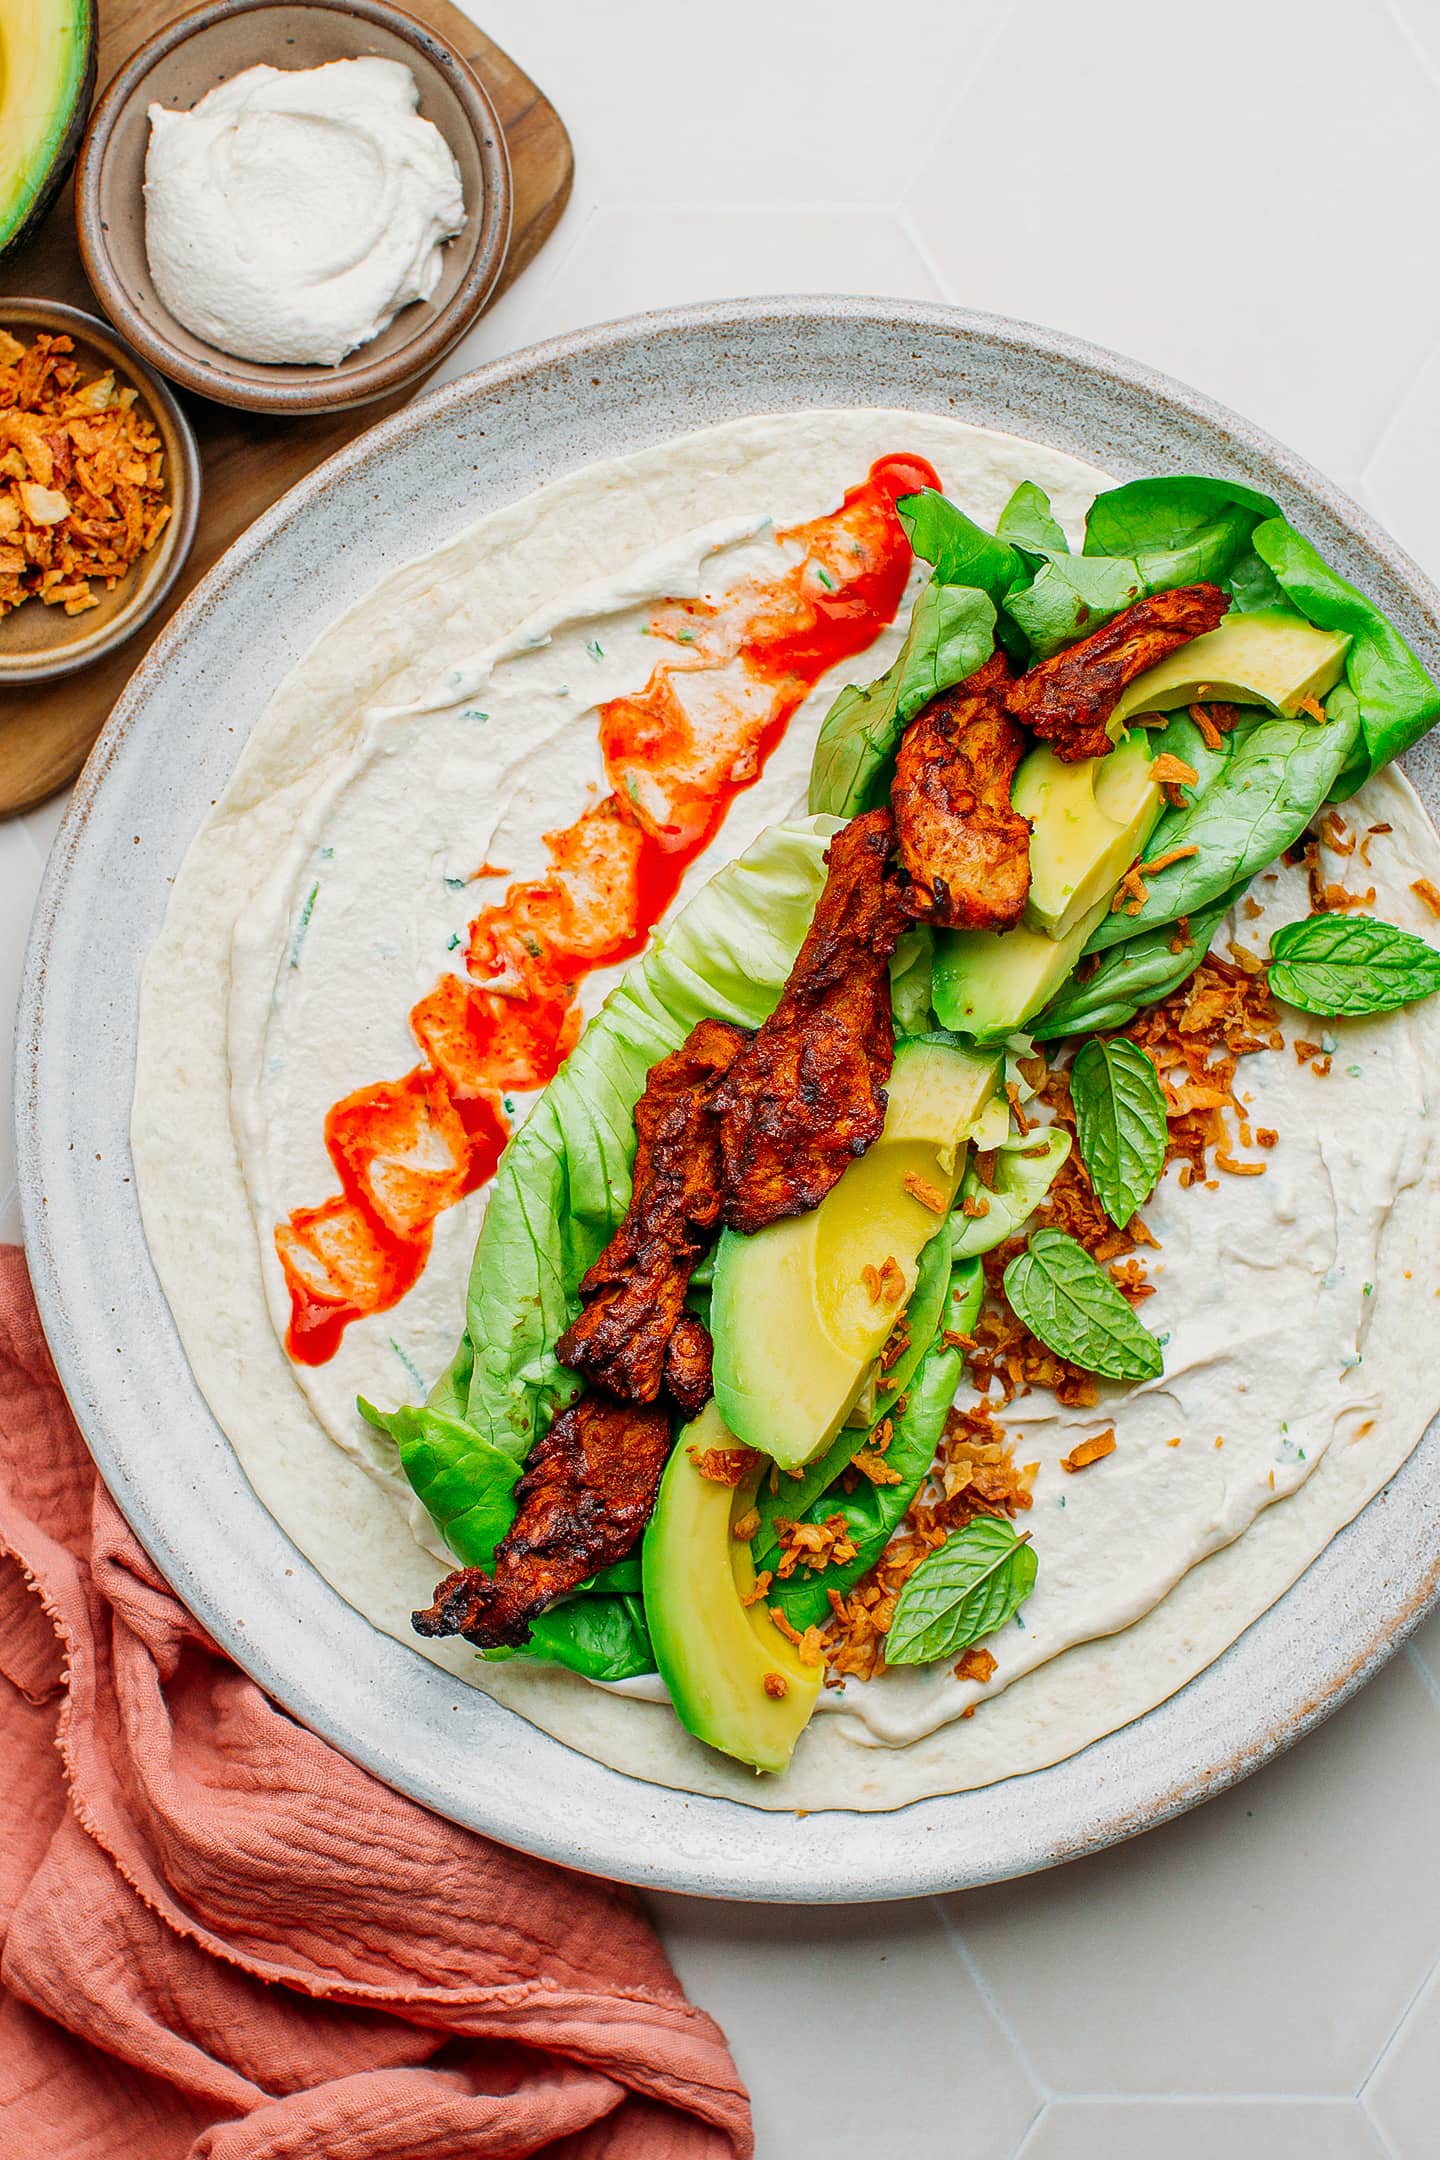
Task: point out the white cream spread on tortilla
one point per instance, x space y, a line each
1297 1325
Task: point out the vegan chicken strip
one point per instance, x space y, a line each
586 1495
806 1094
966 850
635 1292
1068 698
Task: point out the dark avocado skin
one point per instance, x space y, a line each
69 145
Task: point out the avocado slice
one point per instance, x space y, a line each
724 1662
1088 822
795 1317
47 79
1268 658
988 983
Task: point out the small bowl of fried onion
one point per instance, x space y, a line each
99 491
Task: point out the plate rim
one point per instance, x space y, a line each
648 1835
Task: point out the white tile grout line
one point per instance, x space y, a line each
1392 420
983 1989
1427 1678
1181 2098
1004 15
1418 52
1403 2019
906 220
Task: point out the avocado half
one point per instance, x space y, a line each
47 79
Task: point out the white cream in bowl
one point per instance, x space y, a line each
291 215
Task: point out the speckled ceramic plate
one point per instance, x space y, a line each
167 753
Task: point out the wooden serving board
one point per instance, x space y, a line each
248 458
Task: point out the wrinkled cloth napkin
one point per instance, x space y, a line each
224 1941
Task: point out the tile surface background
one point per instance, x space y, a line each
1244 195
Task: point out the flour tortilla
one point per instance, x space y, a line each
348 1513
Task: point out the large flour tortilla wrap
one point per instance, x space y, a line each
1244 1274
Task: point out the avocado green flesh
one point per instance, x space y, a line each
1267 658
796 1321
988 983
1089 820
47 75
714 1653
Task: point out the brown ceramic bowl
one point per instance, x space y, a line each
176 68
39 643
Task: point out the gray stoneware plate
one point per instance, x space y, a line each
166 754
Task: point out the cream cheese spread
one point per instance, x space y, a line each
289 216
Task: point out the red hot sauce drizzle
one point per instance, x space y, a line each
676 755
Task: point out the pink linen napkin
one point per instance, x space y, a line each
222 1940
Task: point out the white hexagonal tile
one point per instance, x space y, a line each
1404 2093
847 2022
1233 198
1267 1943
628 258
1425 1648
763 101
1203 2130
1402 479
1419 24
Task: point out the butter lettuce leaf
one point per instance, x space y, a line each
962 552
1277 775
1071 595
1026 1166
952 632
1140 972
563 1184
1397 698
466 1485
1028 522
1178 529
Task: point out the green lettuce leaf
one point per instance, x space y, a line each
464 1483
1071 596
1179 529
564 1181
962 552
1130 976
952 632
1398 700
910 973
1026 1166
1276 776
1028 522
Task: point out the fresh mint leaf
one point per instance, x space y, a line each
964 1590
1076 1311
1334 964
1120 1123
962 552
